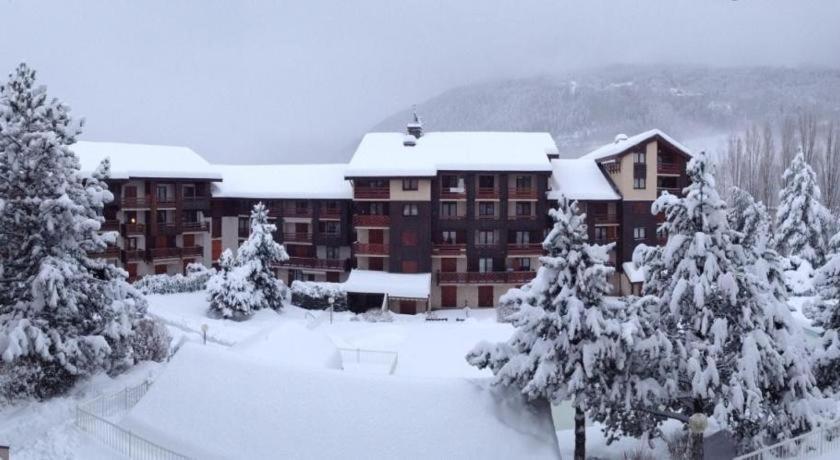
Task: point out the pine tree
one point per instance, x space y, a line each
247 284
742 358
568 344
827 282
63 314
803 224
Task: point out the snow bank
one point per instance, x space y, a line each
141 160
579 180
213 404
306 181
383 154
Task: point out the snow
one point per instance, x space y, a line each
385 155
406 285
620 146
291 181
290 412
634 273
142 160
579 180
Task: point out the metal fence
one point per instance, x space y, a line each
92 418
360 356
812 444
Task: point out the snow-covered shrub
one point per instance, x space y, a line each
799 276
314 295
375 315
195 280
64 315
151 341
246 283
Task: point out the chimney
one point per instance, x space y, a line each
415 128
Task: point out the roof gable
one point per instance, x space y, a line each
621 147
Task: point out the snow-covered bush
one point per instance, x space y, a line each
314 295
151 341
64 315
827 357
195 280
375 315
246 283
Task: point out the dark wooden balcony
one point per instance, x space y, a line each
487 193
164 253
370 249
143 201
196 202
449 249
452 193
604 218
110 226
294 211
195 227
135 229
374 193
371 220
524 249
167 228
134 255
165 202
522 193
452 216
297 237
192 251
315 263
110 252
522 217
508 277
329 213
668 168
331 239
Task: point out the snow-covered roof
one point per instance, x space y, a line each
579 179
407 285
622 143
634 274
268 410
384 155
312 181
141 160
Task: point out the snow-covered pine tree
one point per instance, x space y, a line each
63 314
247 284
827 283
743 360
751 224
567 339
803 224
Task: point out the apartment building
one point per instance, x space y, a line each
310 205
161 205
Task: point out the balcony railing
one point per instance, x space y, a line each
455 216
510 277
297 237
494 216
135 229
370 249
192 251
168 228
330 213
668 168
372 220
297 212
110 226
330 239
525 249
194 227
449 249
136 201
522 193
487 192
110 252
604 218
376 193
134 254
671 190
165 253
315 263
165 201
522 216
452 192
196 202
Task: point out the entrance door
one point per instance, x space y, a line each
376 236
160 269
449 296
132 271
216 247
189 240
376 263
485 296
408 307
449 265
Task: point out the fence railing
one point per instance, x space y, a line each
359 356
812 444
92 418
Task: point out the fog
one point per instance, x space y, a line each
266 81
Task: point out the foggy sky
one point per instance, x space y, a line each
265 81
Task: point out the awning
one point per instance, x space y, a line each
396 285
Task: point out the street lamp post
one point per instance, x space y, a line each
331 300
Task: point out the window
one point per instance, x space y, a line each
639 233
190 215
523 182
244 226
485 264
449 182
410 184
131 243
189 191
301 207
448 209
486 209
163 217
522 237
162 193
639 183
408 238
449 237
523 209
331 206
639 157
376 209
409 266
329 227
521 264
486 237
410 210
600 233
486 182
332 252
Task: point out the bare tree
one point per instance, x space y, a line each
787 139
807 130
768 170
829 172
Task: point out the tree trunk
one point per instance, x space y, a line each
580 434
696 427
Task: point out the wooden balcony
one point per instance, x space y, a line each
452 193
110 252
329 213
373 220
166 202
452 217
297 237
331 239
164 253
293 211
522 193
509 277
372 193
494 216
195 227
134 255
449 249
371 249
604 219
196 202
487 193
144 201
668 168
524 249
316 264
135 229
192 251
522 217
168 228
